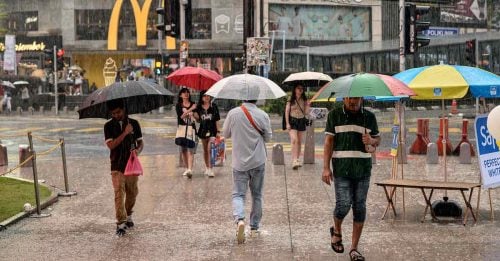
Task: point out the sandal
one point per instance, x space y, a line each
356 256
337 246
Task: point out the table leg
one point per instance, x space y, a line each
428 205
469 207
390 203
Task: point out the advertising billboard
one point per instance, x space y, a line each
320 22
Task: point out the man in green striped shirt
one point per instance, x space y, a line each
351 136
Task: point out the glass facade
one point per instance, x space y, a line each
201 24
20 22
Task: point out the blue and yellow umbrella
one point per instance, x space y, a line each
440 82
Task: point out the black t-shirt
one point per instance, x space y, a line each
208 121
180 110
119 155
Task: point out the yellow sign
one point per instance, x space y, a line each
109 71
21 47
141 20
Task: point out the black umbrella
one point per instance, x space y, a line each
138 97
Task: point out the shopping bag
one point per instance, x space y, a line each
134 167
185 136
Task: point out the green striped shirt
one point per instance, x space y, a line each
350 158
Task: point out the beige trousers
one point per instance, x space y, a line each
126 191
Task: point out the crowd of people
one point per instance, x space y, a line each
351 135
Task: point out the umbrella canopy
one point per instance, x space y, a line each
65 82
21 83
367 85
38 73
307 79
7 84
450 82
194 77
75 67
245 87
138 96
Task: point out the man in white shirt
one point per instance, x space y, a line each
248 161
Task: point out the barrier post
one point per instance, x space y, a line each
67 193
37 190
309 145
278 155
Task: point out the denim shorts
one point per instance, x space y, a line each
349 193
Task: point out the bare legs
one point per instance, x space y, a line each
357 228
296 141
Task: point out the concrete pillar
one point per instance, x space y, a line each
309 145
465 154
19 110
4 161
432 153
76 108
24 153
161 110
278 155
65 109
53 109
31 110
41 109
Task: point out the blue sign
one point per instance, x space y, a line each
440 31
437 92
486 142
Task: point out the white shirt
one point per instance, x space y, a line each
249 148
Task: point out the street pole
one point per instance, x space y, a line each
283 58
307 55
401 35
182 20
55 80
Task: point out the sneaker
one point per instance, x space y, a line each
207 171
240 232
210 173
299 162
120 229
295 165
254 232
130 222
188 173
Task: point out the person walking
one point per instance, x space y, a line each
25 97
351 135
184 109
122 135
249 128
296 112
207 114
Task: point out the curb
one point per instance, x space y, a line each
53 198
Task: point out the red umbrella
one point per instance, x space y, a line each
194 77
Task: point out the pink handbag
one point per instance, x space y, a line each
134 167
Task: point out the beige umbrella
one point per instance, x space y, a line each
75 67
38 73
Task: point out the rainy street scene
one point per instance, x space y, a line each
249 130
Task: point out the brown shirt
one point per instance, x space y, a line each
295 111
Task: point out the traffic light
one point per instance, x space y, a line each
168 17
60 59
414 28
48 59
158 68
470 52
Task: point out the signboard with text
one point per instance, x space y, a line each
488 153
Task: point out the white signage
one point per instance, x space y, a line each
488 153
9 57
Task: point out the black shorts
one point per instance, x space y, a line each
298 124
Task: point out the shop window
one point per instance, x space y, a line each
201 21
92 24
22 21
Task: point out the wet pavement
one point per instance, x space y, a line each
181 219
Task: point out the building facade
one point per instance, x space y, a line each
118 38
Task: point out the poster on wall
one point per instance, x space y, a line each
9 57
312 22
257 51
465 12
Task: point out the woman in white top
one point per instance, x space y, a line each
296 111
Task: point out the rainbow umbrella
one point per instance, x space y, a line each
443 81
366 85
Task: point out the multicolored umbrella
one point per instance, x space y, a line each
194 77
366 85
442 81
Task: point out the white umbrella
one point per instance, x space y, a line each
7 84
245 87
314 78
21 83
75 67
